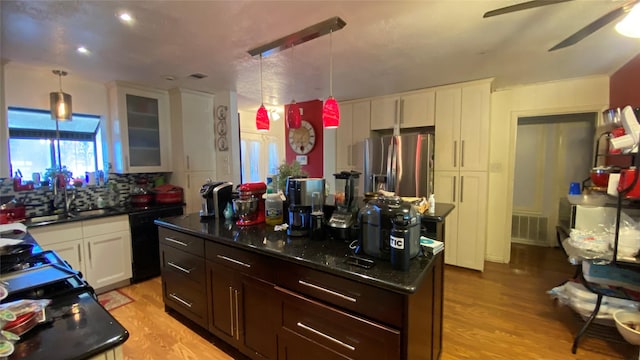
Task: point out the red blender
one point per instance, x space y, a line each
249 206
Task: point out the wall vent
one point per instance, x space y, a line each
529 229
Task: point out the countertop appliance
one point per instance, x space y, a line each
215 196
402 164
145 248
300 198
249 206
345 214
376 223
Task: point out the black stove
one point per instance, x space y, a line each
44 275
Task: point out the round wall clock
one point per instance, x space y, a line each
302 139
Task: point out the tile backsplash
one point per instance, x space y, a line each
38 201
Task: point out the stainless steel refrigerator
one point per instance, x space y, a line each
399 163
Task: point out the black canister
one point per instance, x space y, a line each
399 243
317 227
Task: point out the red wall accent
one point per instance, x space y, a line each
624 85
312 112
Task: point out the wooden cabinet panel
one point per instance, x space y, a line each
184 298
222 301
108 259
70 251
448 112
472 219
346 334
105 225
383 306
52 234
293 346
384 112
474 128
188 267
240 261
184 242
417 109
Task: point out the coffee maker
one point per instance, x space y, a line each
344 217
249 206
300 197
215 197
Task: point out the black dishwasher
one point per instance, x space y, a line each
145 252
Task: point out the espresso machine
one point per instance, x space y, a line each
300 195
345 216
249 206
215 197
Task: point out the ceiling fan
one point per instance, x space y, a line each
578 35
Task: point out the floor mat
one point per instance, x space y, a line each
113 299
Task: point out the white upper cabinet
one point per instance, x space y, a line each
462 127
353 129
415 109
139 129
192 114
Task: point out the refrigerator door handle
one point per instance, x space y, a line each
394 166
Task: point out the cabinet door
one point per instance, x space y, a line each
472 218
70 251
258 315
384 113
108 258
448 110
193 183
447 191
344 143
474 127
198 131
418 109
223 296
360 131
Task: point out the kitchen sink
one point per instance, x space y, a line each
47 218
91 212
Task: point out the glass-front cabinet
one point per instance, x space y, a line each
139 129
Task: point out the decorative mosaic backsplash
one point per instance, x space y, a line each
39 201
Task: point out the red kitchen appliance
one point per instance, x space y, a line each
249 206
168 194
629 184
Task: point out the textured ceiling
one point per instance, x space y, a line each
386 46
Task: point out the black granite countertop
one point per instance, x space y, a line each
442 211
328 255
77 327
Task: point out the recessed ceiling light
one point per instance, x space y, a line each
83 50
125 17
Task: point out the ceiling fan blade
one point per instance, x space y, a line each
522 6
594 26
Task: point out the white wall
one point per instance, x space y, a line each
590 94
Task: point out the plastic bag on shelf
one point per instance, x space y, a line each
594 241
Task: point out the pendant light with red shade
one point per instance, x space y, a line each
294 120
262 117
331 110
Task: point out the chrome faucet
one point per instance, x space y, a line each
66 198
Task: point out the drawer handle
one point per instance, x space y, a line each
188 271
331 338
231 309
233 261
345 297
176 298
176 241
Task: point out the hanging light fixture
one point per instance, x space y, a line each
294 120
331 110
262 117
630 25
59 101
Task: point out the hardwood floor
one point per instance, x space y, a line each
502 313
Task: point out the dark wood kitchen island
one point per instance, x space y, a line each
273 296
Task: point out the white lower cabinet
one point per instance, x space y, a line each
466 225
99 248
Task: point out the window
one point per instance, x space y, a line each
34 148
260 157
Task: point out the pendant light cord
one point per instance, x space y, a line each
261 93
331 63
293 70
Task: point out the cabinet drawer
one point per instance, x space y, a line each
53 234
185 299
184 242
352 336
187 266
106 225
240 260
378 304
